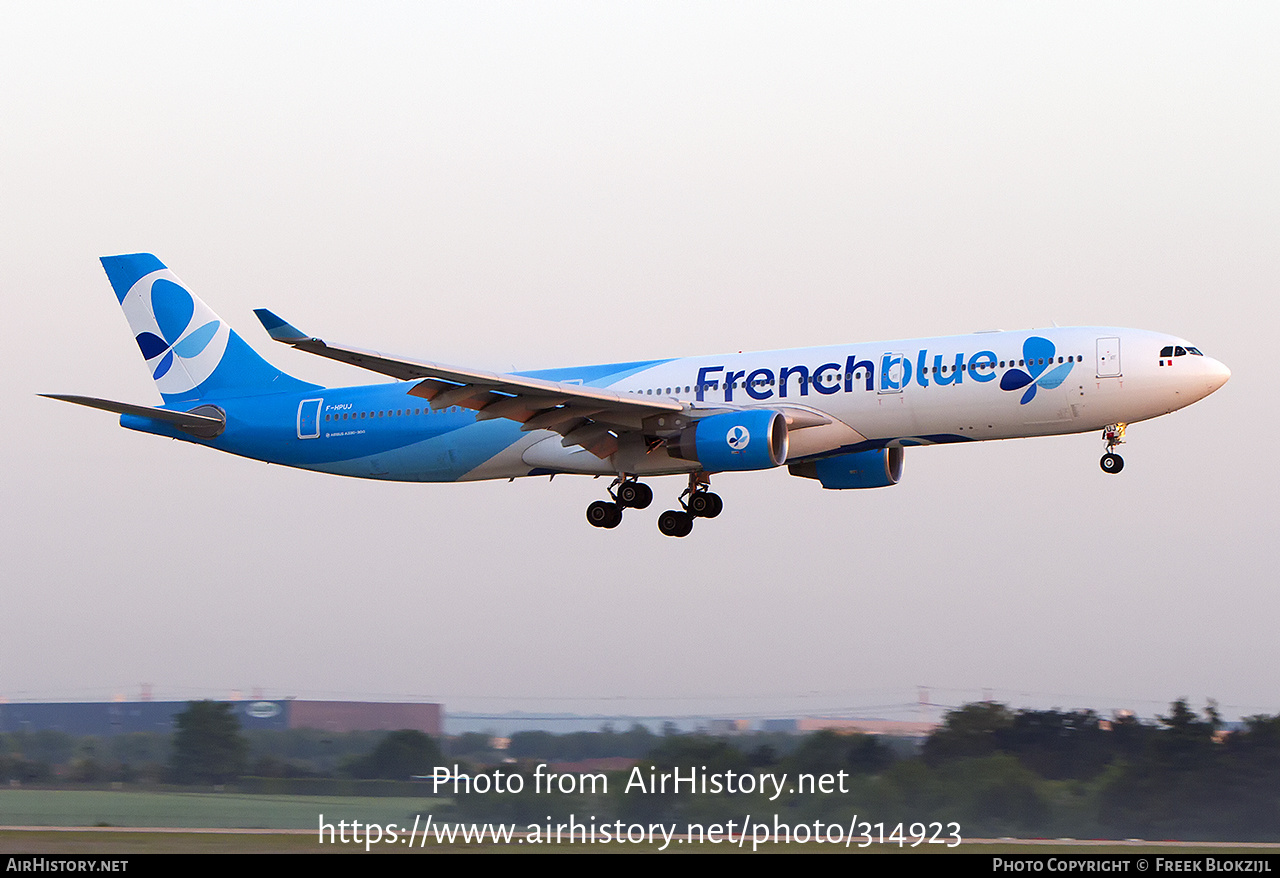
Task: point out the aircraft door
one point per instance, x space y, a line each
1109 358
894 373
309 418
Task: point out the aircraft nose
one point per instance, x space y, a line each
1218 374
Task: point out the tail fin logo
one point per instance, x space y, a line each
181 339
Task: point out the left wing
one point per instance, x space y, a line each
587 416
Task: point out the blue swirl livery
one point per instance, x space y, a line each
841 415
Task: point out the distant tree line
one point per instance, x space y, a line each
995 770
208 747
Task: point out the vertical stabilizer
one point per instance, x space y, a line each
191 353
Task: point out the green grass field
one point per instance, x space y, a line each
110 813
174 809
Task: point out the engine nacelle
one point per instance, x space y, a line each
861 469
753 439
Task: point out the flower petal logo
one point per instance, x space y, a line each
173 309
738 437
1038 354
181 340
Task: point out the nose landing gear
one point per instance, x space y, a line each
1112 462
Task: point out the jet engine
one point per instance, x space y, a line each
861 469
746 440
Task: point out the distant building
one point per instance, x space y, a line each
889 727
787 726
364 716
123 717
728 726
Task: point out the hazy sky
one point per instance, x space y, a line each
541 184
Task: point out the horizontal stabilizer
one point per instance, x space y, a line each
206 424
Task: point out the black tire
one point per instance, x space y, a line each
674 523
1111 463
704 504
644 496
602 513
717 506
635 495
616 519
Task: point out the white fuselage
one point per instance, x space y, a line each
914 392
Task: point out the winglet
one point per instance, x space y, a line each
280 330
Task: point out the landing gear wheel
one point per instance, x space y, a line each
602 513
1112 463
1113 435
635 495
674 523
704 504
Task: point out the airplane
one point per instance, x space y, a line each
841 415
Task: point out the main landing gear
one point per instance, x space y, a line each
701 504
626 492
1112 462
697 501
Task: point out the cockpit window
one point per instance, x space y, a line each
1166 351
1179 351
1195 352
